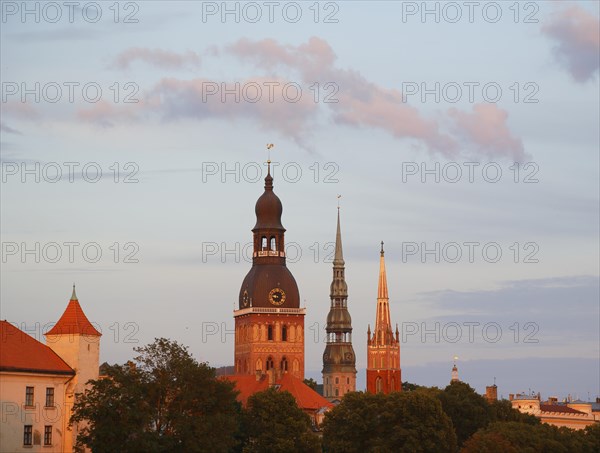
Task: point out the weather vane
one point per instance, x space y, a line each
269 146
338 198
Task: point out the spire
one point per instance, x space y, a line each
269 178
382 289
338 260
383 326
74 296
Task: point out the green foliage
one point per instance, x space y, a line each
163 401
532 438
311 383
468 410
274 423
399 422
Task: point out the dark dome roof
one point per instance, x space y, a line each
262 279
268 208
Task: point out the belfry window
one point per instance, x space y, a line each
263 243
273 243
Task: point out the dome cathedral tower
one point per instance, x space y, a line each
269 323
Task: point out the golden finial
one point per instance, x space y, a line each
269 146
338 198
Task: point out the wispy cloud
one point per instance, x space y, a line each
163 59
9 130
577 36
362 103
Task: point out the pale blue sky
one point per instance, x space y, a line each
177 206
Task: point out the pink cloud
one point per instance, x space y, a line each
362 103
265 100
577 34
107 114
486 129
156 57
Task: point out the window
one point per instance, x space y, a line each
284 333
269 363
348 381
28 396
284 364
337 392
48 435
264 243
270 333
28 435
337 380
49 396
378 385
273 243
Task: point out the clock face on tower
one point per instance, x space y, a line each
277 296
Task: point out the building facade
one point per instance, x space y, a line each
339 360
383 347
269 323
569 414
39 383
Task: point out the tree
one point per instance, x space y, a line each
399 422
532 438
273 422
468 410
502 411
311 383
162 401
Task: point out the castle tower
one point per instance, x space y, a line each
269 324
383 348
77 342
339 361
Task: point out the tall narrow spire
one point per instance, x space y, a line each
74 296
383 325
339 362
338 259
383 348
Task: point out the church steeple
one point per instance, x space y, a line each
383 325
339 361
383 348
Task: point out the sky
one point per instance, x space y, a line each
466 137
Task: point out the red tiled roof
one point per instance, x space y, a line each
306 397
20 352
559 408
73 321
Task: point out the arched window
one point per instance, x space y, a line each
273 243
263 245
269 363
270 332
284 333
378 385
337 380
284 364
348 381
259 365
